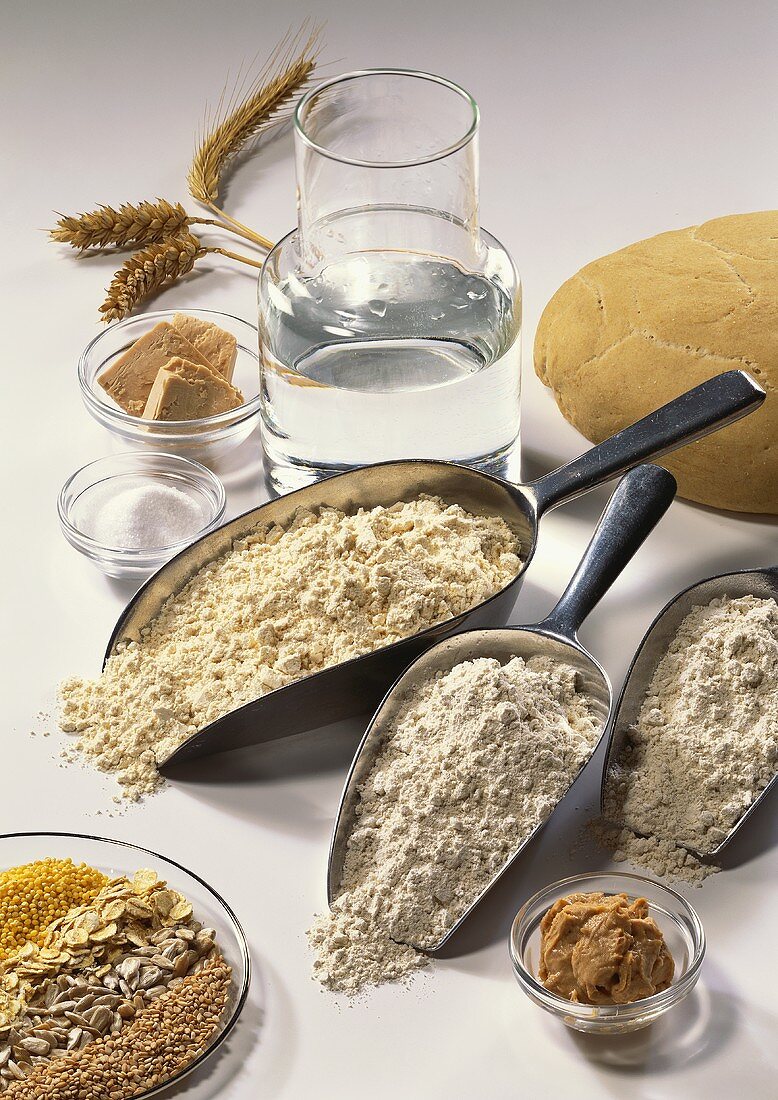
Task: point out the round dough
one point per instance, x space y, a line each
634 329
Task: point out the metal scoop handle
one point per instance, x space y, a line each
639 502
715 403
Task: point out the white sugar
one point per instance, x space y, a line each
143 516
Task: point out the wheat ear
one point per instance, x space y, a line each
151 269
266 103
132 224
147 272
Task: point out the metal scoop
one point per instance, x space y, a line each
356 686
633 511
762 583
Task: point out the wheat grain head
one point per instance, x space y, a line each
133 224
250 112
148 271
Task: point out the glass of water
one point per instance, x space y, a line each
389 320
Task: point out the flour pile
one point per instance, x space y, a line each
476 758
705 743
282 604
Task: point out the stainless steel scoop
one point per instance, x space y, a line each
762 583
638 504
356 686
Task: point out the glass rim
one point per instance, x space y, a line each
360 74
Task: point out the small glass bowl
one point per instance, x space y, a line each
115 472
207 439
676 918
116 858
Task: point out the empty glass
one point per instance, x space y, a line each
389 321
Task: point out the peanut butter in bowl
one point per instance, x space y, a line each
603 949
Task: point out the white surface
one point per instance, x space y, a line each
602 123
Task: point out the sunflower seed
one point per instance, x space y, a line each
35 1045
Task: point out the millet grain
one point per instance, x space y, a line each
35 894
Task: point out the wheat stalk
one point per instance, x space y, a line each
152 268
266 103
163 229
147 272
132 224
235 256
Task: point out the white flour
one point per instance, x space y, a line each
705 743
282 604
476 758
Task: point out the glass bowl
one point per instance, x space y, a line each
206 439
115 858
107 475
676 918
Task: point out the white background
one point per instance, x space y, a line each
602 123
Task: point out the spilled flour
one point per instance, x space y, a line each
476 758
705 742
280 605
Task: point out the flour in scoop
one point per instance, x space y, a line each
477 758
281 604
705 743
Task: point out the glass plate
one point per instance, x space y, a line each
115 858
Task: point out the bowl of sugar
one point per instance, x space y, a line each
130 513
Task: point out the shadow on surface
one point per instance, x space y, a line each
314 752
757 835
701 1029
254 161
250 783
241 468
704 1022
124 589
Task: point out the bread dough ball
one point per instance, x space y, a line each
635 329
